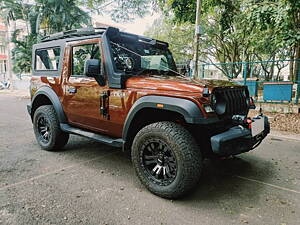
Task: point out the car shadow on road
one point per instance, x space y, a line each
85 148
218 180
226 181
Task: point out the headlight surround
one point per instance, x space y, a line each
218 104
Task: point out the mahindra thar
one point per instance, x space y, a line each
124 90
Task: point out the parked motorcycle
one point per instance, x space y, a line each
4 84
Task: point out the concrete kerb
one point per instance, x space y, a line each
285 135
16 93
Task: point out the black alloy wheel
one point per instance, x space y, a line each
158 161
44 130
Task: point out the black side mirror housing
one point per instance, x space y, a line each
92 68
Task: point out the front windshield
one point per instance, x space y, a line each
138 57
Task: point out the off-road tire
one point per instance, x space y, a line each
186 152
58 139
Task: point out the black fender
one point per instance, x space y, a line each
52 96
188 109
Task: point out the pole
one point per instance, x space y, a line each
245 72
9 62
197 39
298 83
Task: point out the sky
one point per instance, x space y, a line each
138 26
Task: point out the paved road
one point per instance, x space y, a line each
90 183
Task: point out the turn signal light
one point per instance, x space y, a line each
205 92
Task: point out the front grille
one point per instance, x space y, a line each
235 99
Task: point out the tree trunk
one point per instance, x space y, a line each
292 63
297 63
272 70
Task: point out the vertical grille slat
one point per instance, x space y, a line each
243 100
235 100
228 100
232 102
240 100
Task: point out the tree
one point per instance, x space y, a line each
180 37
42 18
22 53
242 30
60 15
282 17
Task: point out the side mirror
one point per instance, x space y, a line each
92 68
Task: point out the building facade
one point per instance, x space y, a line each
3 51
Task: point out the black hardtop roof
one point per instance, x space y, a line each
86 32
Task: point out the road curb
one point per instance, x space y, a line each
16 93
278 134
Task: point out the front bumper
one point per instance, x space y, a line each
237 140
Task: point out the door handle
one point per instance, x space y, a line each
72 90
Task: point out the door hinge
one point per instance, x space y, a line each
104 104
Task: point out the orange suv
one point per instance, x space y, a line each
124 90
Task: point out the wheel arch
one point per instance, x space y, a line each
46 96
155 109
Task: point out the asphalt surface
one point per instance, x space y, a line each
90 183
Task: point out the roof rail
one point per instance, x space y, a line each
75 33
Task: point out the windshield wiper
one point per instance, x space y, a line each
146 70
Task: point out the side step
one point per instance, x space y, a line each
97 137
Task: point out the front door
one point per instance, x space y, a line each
85 100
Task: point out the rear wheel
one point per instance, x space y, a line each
167 159
47 130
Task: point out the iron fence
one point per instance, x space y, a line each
268 81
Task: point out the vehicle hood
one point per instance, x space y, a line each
172 83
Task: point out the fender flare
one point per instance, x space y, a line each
188 109
52 96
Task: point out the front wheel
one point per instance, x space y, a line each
166 159
47 130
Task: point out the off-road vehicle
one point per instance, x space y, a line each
124 90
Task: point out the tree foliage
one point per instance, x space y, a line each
41 18
242 30
121 10
179 36
59 15
281 19
22 53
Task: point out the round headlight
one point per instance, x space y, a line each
220 107
218 103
